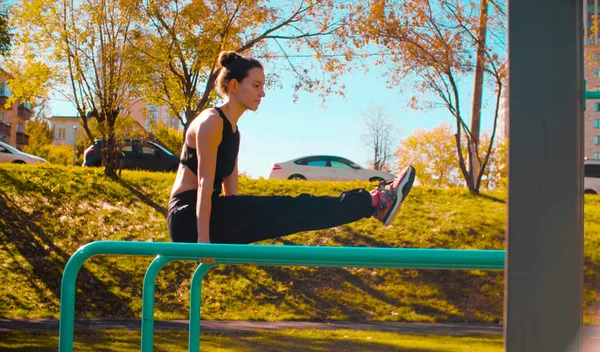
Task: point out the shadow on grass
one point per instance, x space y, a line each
310 295
34 236
139 194
492 198
351 238
471 293
591 279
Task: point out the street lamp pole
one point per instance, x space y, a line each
74 145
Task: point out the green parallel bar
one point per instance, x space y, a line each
195 299
594 94
148 300
410 258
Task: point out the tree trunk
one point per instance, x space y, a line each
110 169
190 115
474 165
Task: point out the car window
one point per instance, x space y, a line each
317 163
354 165
127 148
158 146
301 161
146 149
339 165
592 171
11 149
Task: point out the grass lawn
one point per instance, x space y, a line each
280 341
48 211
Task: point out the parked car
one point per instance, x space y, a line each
591 180
10 154
136 154
326 167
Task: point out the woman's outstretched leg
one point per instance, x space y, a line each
247 219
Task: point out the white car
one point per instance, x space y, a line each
9 154
591 181
325 167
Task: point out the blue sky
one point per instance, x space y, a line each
282 130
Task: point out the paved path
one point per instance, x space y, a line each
245 326
591 333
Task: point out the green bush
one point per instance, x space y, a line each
56 154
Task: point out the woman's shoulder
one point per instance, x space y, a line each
208 119
208 122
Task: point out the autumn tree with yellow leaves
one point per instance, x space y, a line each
178 43
433 154
81 50
103 55
431 46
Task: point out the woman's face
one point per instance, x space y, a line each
251 90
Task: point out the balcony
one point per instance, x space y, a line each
24 112
22 138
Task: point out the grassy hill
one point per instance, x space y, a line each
47 212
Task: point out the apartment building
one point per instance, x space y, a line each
592 77
67 128
13 118
145 114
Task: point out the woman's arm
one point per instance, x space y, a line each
231 182
208 138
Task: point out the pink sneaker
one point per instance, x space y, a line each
391 194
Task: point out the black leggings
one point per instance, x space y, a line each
247 219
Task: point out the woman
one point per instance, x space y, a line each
199 213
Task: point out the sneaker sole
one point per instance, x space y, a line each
405 186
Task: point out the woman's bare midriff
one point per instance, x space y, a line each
185 179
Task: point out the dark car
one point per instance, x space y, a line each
136 154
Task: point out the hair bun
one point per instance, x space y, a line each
227 57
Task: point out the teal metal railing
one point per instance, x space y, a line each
272 255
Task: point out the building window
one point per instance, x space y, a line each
591 9
4 91
597 156
597 123
61 133
597 74
21 128
1 116
153 111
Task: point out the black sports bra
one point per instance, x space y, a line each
227 153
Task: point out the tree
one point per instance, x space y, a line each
170 138
379 136
178 52
40 135
496 174
85 47
433 155
432 45
5 32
